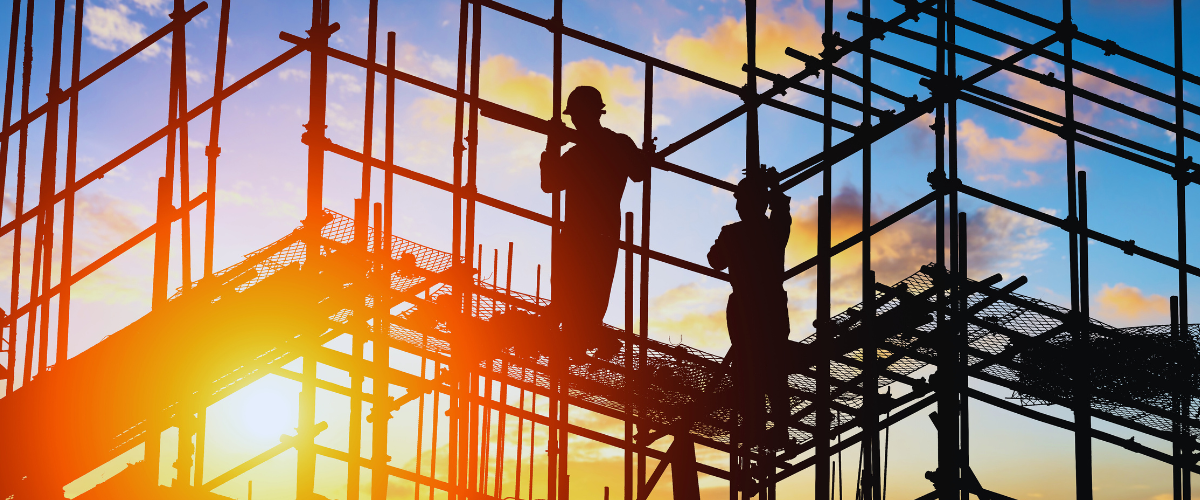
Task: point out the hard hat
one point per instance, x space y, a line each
754 185
582 98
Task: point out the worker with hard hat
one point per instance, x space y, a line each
757 313
592 174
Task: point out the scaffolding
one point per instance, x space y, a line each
481 349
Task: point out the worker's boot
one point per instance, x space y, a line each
607 344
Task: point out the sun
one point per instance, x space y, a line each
260 412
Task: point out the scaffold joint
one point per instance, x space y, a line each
1110 47
875 27
1049 80
830 42
939 124
1067 28
308 139
912 8
1185 171
936 179
1066 131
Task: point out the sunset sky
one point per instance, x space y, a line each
262 175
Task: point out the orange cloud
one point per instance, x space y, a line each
990 157
692 314
1052 99
1124 304
102 222
422 143
721 50
997 240
506 81
837 4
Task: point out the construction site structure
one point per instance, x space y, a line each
483 348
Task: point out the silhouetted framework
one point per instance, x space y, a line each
482 348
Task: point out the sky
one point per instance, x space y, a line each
261 181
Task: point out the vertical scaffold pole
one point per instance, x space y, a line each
644 266
960 359
380 357
68 237
477 20
44 239
185 173
1082 418
213 150
22 157
501 429
354 446
314 138
738 467
433 438
369 99
389 144
552 464
455 410
166 186
472 141
627 470
1176 428
520 437
314 134
821 396
1082 347
11 345
870 412
824 279
1181 165
353 471
947 386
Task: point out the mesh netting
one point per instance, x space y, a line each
1135 373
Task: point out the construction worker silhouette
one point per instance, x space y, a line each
592 174
757 315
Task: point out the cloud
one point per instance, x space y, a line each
692 314
997 240
262 203
507 82
1124 304
721 50
1052 99
293 74
102 222
621 90
412 59
112 29
837 4
990 158
157 7
346 83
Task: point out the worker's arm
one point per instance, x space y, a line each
781 214
552 172
638 161
716 255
